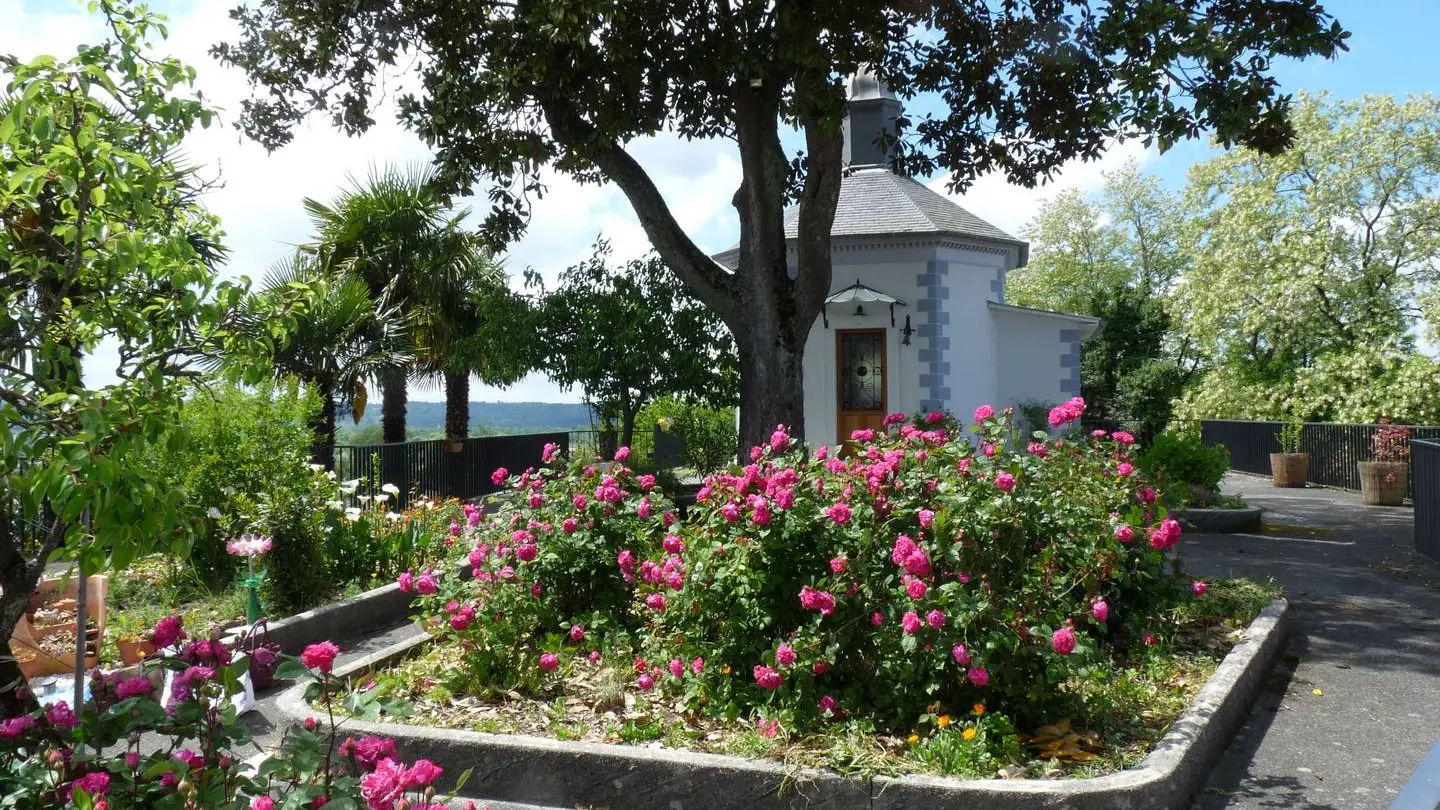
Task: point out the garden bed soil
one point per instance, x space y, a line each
547 771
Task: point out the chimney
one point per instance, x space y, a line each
871 111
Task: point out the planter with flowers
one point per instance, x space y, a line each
1291 466
1385 480
926 602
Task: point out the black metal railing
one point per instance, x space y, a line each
1425 489
1335 449
440 468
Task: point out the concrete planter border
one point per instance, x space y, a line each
539 771
1220 521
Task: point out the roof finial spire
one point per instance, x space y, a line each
869 117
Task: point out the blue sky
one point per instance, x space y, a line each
1391 51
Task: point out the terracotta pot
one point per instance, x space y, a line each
1289 469
134 650
1383 483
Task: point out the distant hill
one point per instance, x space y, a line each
488 417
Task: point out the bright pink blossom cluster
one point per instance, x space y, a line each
1067 412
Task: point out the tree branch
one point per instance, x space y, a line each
701 274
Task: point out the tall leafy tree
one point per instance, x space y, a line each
506 89
100 238
629 334
395 233
1324 248
1116 256
340 338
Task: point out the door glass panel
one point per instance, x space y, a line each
862 371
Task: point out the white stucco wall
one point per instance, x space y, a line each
1038 356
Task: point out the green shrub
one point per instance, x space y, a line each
298 574
710 433
921 569
244 445
1184 468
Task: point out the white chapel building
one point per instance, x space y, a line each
916 319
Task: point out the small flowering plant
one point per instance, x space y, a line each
1390 442
251 546
92 758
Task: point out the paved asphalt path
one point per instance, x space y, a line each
1366 636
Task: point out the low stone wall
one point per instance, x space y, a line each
542 771
1220 521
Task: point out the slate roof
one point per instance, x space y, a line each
875 201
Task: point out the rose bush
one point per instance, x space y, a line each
134 747
556 561
919 567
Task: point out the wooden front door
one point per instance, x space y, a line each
859 380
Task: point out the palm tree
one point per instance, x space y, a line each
396 234
340 339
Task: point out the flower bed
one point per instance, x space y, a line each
848 609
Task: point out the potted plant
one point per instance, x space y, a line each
1290 467
1383 481
134 640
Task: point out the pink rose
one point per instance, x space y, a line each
837 564
934 417
840 513
655 602
422 774
877 618
927 518
320 656
697 664
262 803
960 654
1005 481
1100 609
785 655
425 584
577 632
983 412
827 704
767 677
1124 469
570 526
911 623
916 588
978 676
549 662
1124 533
498 477
622 454
935 619
1063 641
1198 587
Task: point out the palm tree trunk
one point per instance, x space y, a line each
392 406
457 404
322 426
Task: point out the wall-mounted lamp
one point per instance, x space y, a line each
906 332
859 311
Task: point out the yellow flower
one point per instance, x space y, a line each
725 670
914 739
978 708
969 734
943 720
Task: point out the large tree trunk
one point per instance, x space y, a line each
392 405
771 389
627 425
457 404
18 577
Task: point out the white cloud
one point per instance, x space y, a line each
1009 207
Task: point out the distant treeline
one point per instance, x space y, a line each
426 420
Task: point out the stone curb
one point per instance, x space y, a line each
1220 521
541 771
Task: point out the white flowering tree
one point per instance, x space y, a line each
1315 268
